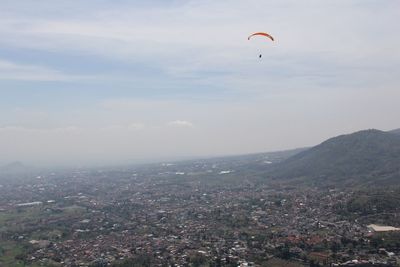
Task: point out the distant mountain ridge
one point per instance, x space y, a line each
14 167
364 157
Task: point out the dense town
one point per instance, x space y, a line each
189 214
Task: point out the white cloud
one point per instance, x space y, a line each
194 38
203 44
33 130
124 127
181 123
27 72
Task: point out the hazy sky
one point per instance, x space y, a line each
100 81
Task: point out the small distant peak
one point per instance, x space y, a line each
369 131
15 166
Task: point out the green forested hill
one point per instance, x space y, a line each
365 157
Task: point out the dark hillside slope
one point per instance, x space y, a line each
369 157
396 131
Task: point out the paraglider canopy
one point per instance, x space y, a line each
264 34
261 34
